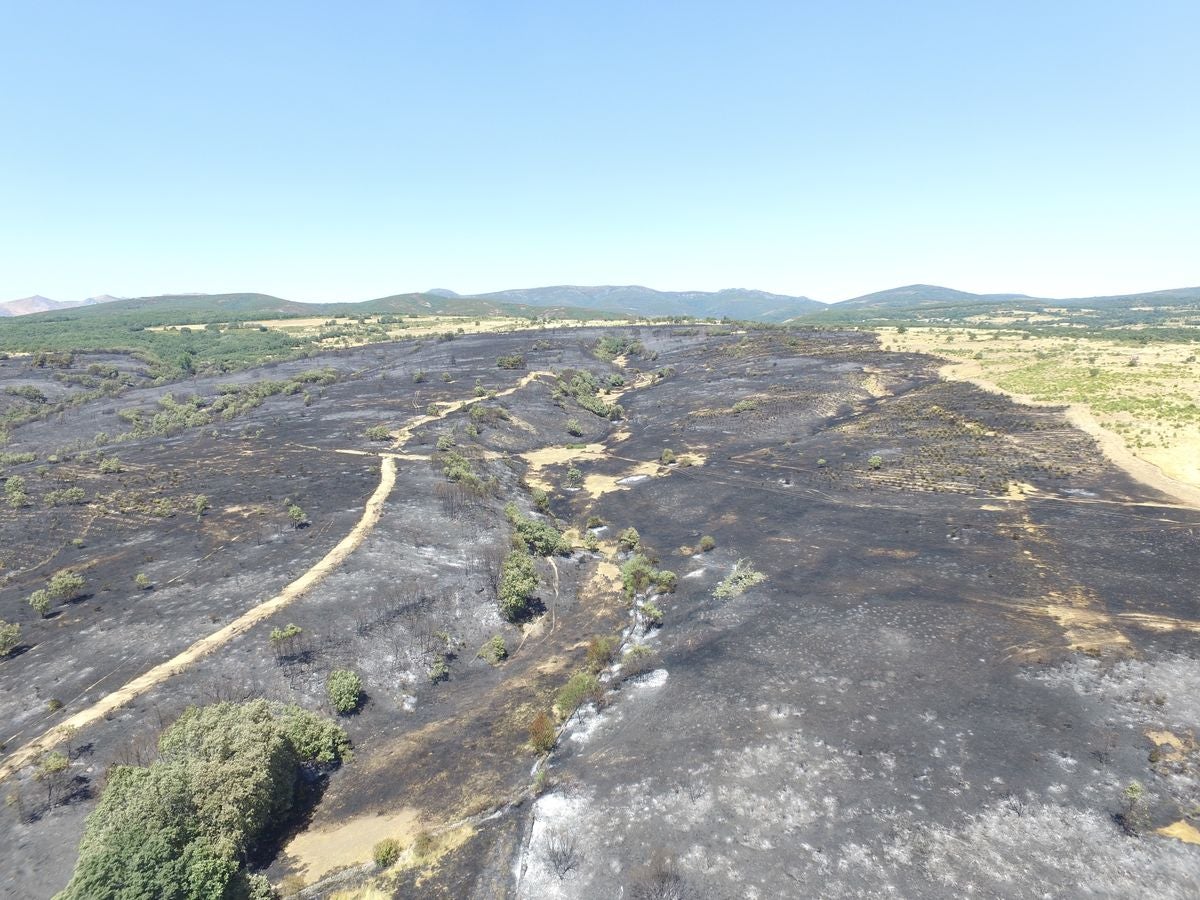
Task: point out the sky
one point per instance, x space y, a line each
343 151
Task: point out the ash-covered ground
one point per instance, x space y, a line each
971 637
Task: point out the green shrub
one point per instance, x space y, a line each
639 575
611 346
540 537
518 581
10 636
513 361
574 428
419 376
65 585
591 543
580 689
744 406
654 615
297 516
344 689
541 499
378 433
495 651
708 542
600 653
181 827
629 539
14 491
875 462
200 505
142 580
72 496
386 852
445 442
40 601
667 457
110 465
741 579
440 670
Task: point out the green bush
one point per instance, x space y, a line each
540 537
377 433
580 689
629 539
667 457
574 428
518 581
110 465
654 615
181 827
875 462
65 585
707 543
72 496
10 636
40 601
445 442
600 653
495 651
386 852
513 361
639 575
344 689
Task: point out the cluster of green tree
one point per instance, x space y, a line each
584 388
610 346
183 826
540 537
232 401
170 354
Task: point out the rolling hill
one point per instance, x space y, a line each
737 303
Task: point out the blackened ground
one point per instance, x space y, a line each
973 634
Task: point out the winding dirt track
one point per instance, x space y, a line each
26 754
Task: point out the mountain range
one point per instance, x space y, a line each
577 301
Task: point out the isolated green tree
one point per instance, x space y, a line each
344 688
10 636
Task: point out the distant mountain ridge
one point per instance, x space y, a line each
37 303
575 301
914 296
737 303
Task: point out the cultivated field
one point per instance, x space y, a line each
876 632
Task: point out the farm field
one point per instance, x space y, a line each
873 631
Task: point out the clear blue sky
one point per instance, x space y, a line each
325 151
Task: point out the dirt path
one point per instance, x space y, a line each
1110 444
26 754
402 435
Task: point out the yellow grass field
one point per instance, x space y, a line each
1146 397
